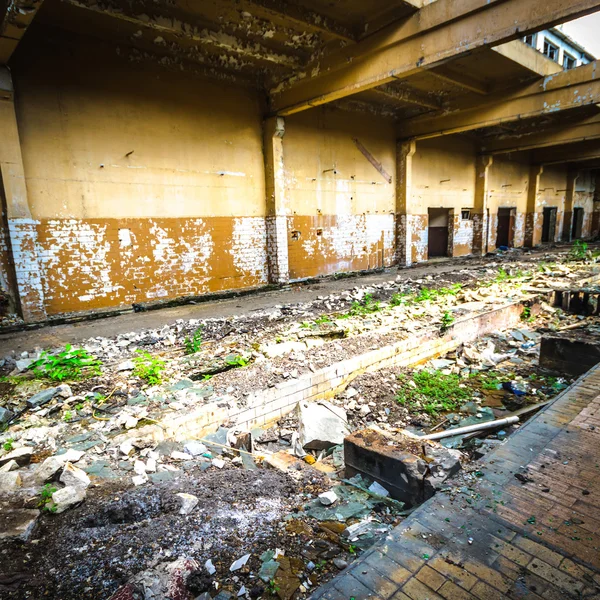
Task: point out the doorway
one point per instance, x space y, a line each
577 225
506 227
437 240
549 225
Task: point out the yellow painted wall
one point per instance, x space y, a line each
443 174
553 187
197 145
340 208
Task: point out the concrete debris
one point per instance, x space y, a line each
239 563
42 397
68 497
328 498
11 465
321 425
218 462
195 448
210 568
5 415
10 482
188 503
49 469
74 477
17 523
21 456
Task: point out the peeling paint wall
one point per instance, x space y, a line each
142 185
340 208
553 188
584 198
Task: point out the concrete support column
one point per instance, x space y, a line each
596 208
404 156
533 219
277 237
13 192
572 176
480 205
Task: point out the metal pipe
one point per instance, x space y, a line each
467 429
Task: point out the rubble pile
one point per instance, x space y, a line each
275 510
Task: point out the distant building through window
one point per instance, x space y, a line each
569 61
530 40
550 50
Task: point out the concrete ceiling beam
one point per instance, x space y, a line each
564 91
587 129
529 58
15 18
572 153
434 35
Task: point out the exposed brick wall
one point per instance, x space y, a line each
462 238
90 264
327 244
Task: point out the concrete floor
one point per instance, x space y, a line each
505 537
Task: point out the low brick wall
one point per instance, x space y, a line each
268 405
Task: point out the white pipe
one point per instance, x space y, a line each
467 429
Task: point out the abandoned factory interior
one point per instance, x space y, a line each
299 299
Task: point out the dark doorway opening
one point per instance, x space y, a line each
437 241
549 225
506 227
577 225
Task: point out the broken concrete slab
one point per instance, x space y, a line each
321 425
399 465
73 476
5 415
47 470
42 397
188 503
22 456
68 497
17 523
10 482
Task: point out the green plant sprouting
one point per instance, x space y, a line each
69 364
193 344
148 367
45 502
447 320
237 361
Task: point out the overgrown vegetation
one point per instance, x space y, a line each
45 502
70 364
433 392
193 344
432 294
148 367
365 307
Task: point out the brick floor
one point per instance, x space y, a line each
504 539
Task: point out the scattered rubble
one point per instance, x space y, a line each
283 507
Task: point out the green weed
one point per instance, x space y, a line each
237 361
272 588
579 251
433 294
364 307
399 298
67 416
322 320
71 363
194 343
447 321
148 367
46 498
8 444
352 549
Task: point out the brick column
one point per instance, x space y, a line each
480 204
404 156
277 237
13 192
533 218
572 176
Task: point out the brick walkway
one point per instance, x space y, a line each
503 538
